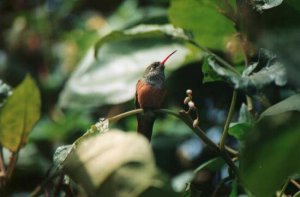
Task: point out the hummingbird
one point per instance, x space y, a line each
150 93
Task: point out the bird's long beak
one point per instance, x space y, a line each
162 63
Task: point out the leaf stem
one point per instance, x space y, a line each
123 115
218 58
228 120
12 163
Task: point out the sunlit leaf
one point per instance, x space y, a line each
121 58
271 151
112 164
19 114
209 27
289 104
265 4
60 155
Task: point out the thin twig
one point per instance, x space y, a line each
12 163
123 115
283 188
295 183
219 186
37 191
228 120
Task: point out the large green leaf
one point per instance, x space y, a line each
112 164
121 58
271 151
209 27
19 115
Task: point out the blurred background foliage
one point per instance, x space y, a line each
86 57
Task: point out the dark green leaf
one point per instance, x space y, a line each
209 75
213 165
271 153
289 104
19 114
239 129
112 164
234 189
202 18
255 77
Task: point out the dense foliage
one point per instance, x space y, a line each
229 125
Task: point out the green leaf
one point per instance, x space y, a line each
240 128
213 165
289 104
112 164
234 189
19 115
209 27
122 57
271 152
209 75
257 76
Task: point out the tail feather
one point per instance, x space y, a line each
145 124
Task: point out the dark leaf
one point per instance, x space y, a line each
257 76
240 128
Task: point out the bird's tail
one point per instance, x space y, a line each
145 124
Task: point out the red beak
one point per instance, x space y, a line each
163 62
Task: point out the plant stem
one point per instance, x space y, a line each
201 134
228 120
189 122
123 115
218 58
12 163
283 188
295 183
